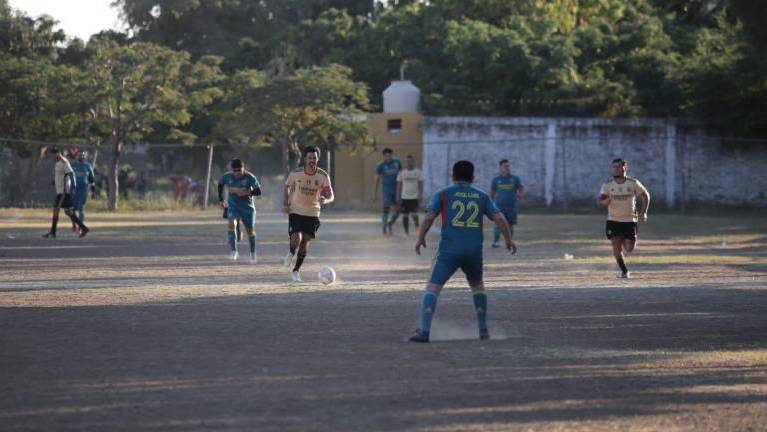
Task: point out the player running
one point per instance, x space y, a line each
619 196
409 192
504 191
307 189
65 182
242 186
461 207
386 175
85 181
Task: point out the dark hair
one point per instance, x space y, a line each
387 150
235 163
311 149
53 150
503 161
463 171
620 161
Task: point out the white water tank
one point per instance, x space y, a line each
400 97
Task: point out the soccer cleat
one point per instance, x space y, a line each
233 256
50 235
484 334
295 276
496 245
84 231
288 260
626 275
419 336
253 258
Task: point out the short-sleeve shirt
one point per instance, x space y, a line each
622 207
461 207
83 172
388 172
246 183
410 180
60 171
305 199
506 189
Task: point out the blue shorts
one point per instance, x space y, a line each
80 198
510 214
246 214
445 264
389 197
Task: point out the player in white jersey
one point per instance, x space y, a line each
409 192
619 196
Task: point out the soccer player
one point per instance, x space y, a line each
242 186
619 196
504 191
307 189
386 175
461 207
85 180
409 192
65 182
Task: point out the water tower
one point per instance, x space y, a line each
401 96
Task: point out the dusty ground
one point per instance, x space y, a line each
144 325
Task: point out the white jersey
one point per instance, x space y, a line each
622 207
410 180
60 170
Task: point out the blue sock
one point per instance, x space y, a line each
252 240
496 234
428 308
232 242
480 305
82 215
385 219
394 217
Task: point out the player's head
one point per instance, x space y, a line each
410 162
463 171
55 153
504 166
237 167
311 157
388 154
619 167
82 156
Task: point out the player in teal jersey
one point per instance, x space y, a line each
504 190
386 175
461 207
84 183
242 186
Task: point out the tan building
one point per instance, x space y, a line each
401 130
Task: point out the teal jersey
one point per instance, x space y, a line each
83 174
247 183
461 207
388 172
506 188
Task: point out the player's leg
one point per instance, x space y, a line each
385 218
630 237
416 222
472 267
55 216
394 216
303 250
249 220
67 205
617 244
231 235
294 231
405 220
443 268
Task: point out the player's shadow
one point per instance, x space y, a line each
336 360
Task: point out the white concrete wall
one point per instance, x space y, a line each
565 160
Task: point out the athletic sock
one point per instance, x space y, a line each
480 305
385 219
299 261
622 265
428 307
76 221
232 243
252 240
81 215
292 250
394 217
406 224
54 223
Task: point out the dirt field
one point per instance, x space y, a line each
144 325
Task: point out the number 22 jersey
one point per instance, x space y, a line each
461 207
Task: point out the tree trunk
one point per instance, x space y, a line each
114 173
296 153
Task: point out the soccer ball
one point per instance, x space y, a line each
327 275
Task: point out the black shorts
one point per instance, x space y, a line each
63 201
409 206
627 230
303 224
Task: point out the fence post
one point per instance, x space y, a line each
207 177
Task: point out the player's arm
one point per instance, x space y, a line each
603 200
645 195
70 182
255 189
286 194
221 200
399 190
420 188
493 190
521 190
424 229
327 196
375 190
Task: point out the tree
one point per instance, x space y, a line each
132 90
315 106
